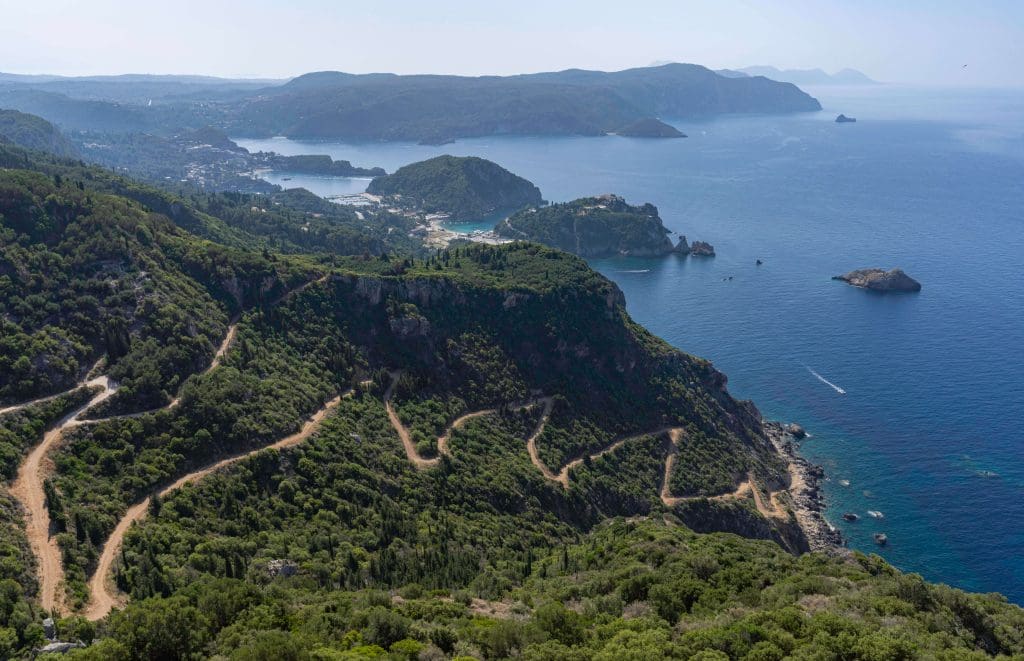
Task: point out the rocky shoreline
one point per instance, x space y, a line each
805 489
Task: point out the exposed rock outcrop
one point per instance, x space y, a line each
880 280
702 249
796 431
808 499
843 119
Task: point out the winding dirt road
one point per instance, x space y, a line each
28 485
773 508
531 443
749 486
563 475
28 490
420 462
403 433
105 595
84 381
218 356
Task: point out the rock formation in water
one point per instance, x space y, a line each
796 431
880 280
702 249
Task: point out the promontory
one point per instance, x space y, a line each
601 226
649 128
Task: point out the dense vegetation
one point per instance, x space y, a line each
464 187
34 133
23 428
592 227
86 274
627 590
340 548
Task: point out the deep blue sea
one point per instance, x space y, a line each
929 431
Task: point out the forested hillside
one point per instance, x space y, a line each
239 443
464 187
33 132
331 104
336 105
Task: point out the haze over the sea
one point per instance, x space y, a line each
937 42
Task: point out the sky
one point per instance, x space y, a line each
908 41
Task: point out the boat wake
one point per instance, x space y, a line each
634 271
826 381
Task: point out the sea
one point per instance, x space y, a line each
914 402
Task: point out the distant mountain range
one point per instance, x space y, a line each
137 88
336 105
572 102
801 76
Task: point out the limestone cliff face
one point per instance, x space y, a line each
558 332
439 291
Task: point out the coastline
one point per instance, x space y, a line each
805 492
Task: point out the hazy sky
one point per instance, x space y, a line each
924 41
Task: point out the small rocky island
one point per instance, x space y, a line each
462 187
701 249
649 128
843 119
894 280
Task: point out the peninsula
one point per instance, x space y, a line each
601 226
649 128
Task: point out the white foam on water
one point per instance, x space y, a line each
826 381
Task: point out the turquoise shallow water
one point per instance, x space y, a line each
929 430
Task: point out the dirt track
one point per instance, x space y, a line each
28 485
28 490
229 339
104 594
773 508
421 462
